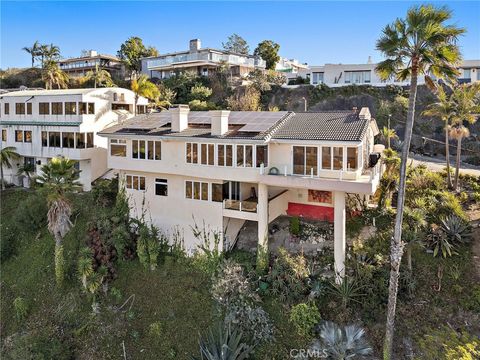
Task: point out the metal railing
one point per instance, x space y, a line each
240 205
213 57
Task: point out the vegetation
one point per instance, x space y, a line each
131 52
7 155
268 51
236 44
143 87
304 317
99 77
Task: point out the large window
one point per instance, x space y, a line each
54 139
4 134
192 153
225 155
18 136
357 77
70 108
118 147
91 108
44 138
196 190
29 108
244 155
6 108
68 140
135 182
89 140
208 154
352 158
20 108
217 192
87 108
305 160
262 155
27 136
317 78
327 158
138 149
338 158
44 108
154 150
57 108
81 141
161 187
23 136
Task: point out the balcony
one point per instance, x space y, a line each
249 205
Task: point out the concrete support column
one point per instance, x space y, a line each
339 234
262 211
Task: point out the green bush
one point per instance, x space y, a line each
155 329
295 226
447 344
20 307
304 317
32 212
472 302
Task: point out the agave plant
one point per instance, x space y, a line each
341 343
455 228
440 243
347 291
224 342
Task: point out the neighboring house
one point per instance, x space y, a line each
42 124
202 61
221 168
89 60
335 75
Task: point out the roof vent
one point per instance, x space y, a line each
219 119
179 117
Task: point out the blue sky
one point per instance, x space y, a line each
313 32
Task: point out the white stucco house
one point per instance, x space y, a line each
42 124
222 168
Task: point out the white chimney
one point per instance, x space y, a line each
219 119
179 118
365 113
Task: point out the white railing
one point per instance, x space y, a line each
240 205
216 58
283 170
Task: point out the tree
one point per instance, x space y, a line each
58 179
7 155
50 52
33 51
444 110
236 44
419 44
53 75
143 87
268 51
466 103
100 77
132 51
387 135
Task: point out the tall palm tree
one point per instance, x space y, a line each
143 87
444 110
59 178
53 75
33 51
27 170
419 44
7 155
100 77
51 52
466 102
387 135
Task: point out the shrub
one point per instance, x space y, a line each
347 291
32 212
155 329
149 245
472 302
104 191
455 228
209 254
20 308
447 344
295 226
304 317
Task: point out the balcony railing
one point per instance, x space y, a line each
208 57
240 205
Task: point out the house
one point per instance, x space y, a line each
202 61
42 124
221 168
89 61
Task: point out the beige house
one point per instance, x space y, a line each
89 61
222 168
42 124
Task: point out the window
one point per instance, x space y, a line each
18 135
27 136
158 150
44 139
305 160
192 153
244 155
357 77
217 192
262 155
154 150
20 108
240 155
327 158
161 187
57 108
317 78
54 139
7 108
135 182
83 108
467 73
91 108
118 147
338 158
225 155
138 149
196 190
86 108
352 158
68 140
70 108
80 140
208 154
4 134
44 108
29 108
89 140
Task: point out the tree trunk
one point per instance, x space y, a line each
447 156
457 170
59 259
1 171
409 258
397 245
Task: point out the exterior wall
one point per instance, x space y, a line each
470 71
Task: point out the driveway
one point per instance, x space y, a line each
436 164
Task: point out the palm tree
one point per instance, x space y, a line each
466 103
33 51
7 155
51 52
28 170
387 134
444 110
143 87
58 179
100 77
419 44
53 75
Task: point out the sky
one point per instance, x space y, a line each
314 32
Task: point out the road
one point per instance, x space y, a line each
436 164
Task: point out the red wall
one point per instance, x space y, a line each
310 211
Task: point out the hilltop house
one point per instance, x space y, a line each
89 61
42 124
221 168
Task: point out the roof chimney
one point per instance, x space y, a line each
369 61
219 119
195 45
179 118
365 113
